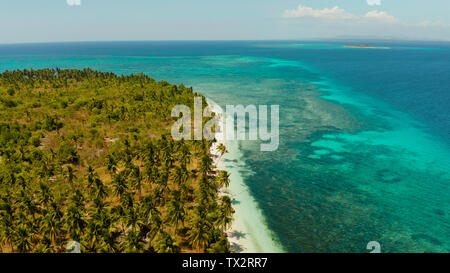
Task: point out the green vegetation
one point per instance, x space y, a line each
86 156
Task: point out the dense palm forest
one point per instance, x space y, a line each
87 156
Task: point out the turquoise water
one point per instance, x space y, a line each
364 134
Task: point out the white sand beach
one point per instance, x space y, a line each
249 232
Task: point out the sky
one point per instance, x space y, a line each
23 21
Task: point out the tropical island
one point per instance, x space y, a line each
87 157
363 46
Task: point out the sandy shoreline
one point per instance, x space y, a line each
249 232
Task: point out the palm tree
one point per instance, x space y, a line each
20 179
45 195
119 184
74 222
226 205
185 154
23 239
27 204
222 149
205 164
150 172
163 179
156 225
111 164
185 191
133 242
166 244
77 200
220 246
127 201
148 208
50 226
176 211
168 159
93 238
206 190
136 177
90 176
198 235
45 246
120 213
133 220
70 175
100 189
109 244
8 231
90 243
148 153
223 178
178 176
225 213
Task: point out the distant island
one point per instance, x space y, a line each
363 46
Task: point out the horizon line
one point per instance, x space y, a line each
238 40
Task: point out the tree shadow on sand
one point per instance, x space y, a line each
237 234
235 247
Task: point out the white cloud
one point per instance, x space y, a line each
328 22
73 2
432 24
374 2
333 13
337 13
381 16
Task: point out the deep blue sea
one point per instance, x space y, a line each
364 133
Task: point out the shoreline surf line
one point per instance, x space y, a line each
248 232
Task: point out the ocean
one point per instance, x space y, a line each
364 149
